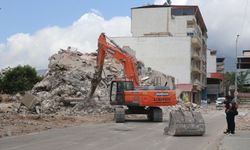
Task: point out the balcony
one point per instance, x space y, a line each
196 42
196 56
220 63
196 82
196 69
203 58
204 72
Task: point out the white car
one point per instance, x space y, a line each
220 102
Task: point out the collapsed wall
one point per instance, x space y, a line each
69 76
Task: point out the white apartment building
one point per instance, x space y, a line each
171 39
215 79
220 63
211 61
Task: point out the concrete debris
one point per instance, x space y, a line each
68 80
9 107
5 98
29 101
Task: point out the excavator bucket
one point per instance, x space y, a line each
185 123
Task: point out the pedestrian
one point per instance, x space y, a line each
231 117
227 107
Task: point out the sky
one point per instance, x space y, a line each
31 31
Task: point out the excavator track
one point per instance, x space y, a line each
155 114
119 115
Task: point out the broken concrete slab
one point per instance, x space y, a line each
29 101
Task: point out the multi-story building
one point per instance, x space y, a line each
243 64
215 79
220 64
171 39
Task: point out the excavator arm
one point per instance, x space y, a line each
125 58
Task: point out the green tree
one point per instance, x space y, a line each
229 78
242 78
1 84
19 79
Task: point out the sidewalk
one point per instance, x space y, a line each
239 141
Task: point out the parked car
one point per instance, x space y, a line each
220 102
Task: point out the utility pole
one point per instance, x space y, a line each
236 63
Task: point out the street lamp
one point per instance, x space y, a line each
236 62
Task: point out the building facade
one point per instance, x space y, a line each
171 39
215 77
243 65
220 64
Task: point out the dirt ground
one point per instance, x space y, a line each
17 124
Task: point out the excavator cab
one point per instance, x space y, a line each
117 91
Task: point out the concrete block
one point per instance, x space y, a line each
29 101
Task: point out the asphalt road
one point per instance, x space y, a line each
111 136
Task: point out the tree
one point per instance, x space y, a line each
229 78
1 84
242 78
19 79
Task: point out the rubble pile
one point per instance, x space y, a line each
69 76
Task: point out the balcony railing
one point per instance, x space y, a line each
203 58
196 56
196 41
196 82
196 69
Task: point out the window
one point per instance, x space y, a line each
113 91
182 11
190 34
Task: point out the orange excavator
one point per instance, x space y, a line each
126 91
131 98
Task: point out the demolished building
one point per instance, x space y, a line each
68 80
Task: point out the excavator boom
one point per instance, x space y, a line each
126 59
